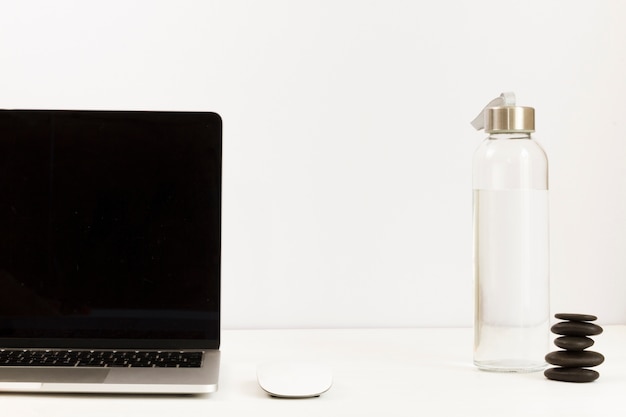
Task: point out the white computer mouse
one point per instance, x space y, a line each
294 379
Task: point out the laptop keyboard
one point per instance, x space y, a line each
100 359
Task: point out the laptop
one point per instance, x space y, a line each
110 226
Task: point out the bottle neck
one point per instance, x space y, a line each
509 135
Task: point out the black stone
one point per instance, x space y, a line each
576 343
574 359
575 317
571 374
575 328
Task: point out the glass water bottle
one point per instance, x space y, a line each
511 242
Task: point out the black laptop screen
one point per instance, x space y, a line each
110 226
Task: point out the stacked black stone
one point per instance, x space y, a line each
572 362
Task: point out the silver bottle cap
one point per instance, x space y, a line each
501 115
509 119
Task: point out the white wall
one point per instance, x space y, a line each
347 144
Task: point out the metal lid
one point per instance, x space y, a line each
507 119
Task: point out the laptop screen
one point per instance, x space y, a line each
110 228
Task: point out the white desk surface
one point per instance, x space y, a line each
390 372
